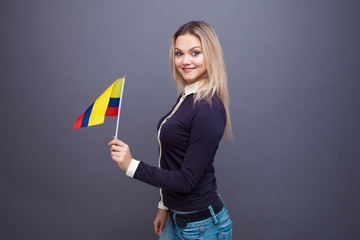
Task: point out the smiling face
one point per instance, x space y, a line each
189 58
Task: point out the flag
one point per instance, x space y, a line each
106 105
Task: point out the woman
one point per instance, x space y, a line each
188 137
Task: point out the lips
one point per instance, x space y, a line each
187 70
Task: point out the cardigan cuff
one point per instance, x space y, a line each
132 168
162 206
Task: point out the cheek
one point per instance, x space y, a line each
177 62
200 61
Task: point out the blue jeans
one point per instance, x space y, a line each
217 227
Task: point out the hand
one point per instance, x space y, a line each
160 221
120 153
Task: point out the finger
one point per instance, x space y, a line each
115 148
120 143
117 142
115 155
156 228
111 141
162 227
118 154
157 232
115 159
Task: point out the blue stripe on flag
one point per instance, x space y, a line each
86 117
114 102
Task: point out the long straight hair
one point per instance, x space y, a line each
216 82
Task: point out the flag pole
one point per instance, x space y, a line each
118 116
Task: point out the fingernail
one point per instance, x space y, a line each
160 233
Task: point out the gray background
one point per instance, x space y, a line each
292 172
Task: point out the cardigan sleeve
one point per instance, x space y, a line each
207 129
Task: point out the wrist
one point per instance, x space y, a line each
126 167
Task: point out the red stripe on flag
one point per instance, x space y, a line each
79 121
112 111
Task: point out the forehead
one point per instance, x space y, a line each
187 41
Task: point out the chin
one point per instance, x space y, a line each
188 78
189 81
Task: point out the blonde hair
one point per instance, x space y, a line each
216 82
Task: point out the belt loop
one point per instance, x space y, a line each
213 214
221 199
174 218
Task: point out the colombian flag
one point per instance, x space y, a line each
106 105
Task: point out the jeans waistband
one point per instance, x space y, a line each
182 219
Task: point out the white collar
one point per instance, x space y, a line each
192 88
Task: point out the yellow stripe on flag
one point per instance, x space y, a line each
116 92
100 105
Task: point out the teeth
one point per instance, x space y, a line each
188 70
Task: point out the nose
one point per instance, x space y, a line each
186 59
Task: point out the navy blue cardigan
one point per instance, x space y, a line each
188 143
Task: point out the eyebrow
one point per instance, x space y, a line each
189 49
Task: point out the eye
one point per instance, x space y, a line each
178 54
195 53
